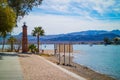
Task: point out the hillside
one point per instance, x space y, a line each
90 35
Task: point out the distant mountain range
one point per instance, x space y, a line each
90 35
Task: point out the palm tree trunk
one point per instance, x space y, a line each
11 46
3 44
38 42
19 45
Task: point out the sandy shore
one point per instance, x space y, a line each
79 69
35 67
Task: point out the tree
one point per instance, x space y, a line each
116 40
7 18
3 34
107 40
23 7
10 10
38 31
11 40
18 42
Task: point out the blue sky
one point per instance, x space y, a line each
65 16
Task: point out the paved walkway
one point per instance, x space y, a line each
33 67
10 67
37 68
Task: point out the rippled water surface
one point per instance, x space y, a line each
104 59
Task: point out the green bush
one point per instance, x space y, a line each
32 48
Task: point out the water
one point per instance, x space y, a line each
47 46
103 59
5 46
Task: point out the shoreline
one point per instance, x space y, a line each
79 69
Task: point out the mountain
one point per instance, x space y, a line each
99 37
90 35
89 32
117 32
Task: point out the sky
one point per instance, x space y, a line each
66 16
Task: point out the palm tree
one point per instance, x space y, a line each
11 40
3 34
38 31
19 42
3 43
32 48
116 40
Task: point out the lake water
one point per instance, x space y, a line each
103 59
5 46
100 58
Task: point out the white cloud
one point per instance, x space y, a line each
56 5
103 6
83 7
61 24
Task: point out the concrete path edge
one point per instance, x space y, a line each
64 70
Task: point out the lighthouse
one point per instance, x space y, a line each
24 39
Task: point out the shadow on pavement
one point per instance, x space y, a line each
0 57
13 54
8 54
